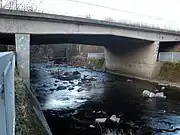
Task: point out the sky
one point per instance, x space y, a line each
150 11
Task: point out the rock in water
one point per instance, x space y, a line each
76 73
163 88
146 93
71 88
61 87
113 118
100 120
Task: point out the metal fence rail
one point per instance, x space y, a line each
7 102
169 56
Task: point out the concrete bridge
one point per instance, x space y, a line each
129 48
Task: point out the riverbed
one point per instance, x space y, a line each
73 98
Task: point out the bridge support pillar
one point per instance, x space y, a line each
137 60
23 56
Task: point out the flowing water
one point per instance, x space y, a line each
71 103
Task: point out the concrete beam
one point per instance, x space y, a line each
36 23
133 59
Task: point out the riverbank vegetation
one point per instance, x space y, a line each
26 121
170 72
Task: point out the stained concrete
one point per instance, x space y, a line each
136 59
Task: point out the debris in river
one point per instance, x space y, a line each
156 90
129 80
98 112
163 88
113 118
91 126
93 111
146 93
160 95
100 120
149 94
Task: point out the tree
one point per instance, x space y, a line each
25 5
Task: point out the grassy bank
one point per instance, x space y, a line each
26 120
170 72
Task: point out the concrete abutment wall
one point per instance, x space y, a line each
135 59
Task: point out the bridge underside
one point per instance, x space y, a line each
123 55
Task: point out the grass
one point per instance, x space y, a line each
170 72
26 120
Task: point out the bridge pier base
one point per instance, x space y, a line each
23 56
137 59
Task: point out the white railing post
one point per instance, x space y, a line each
7 98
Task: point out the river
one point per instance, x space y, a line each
72 98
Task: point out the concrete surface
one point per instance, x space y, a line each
38 23
23 56
138 60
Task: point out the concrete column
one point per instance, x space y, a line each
23 56
137 60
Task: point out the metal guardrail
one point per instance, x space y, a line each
7 101
169 56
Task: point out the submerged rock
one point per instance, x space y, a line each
61 87
80 89
76 73
71 88
44 85
100 120
51 89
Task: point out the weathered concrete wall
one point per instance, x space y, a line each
23 56
133 59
